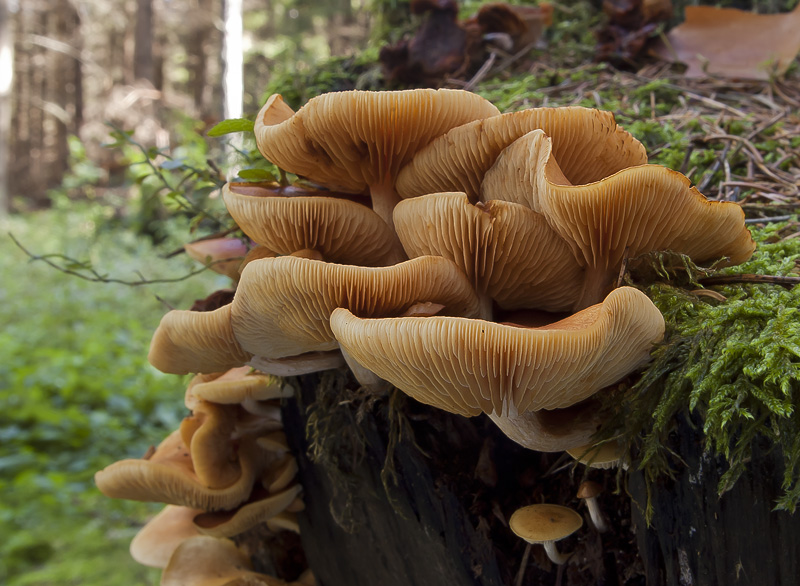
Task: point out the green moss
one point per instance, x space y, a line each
735 363
334 74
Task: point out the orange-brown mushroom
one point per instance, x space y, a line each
282 308
470 366
509 252
342 231
636 210
358 140
587 143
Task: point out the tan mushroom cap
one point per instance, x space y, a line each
284 522
545 522
161 535
282 308
195 341
208 561
470 366
265 417
258 509
553 430
274 442
241 384
280 474
221 255
168 476
299 364
342 231
356 140
283 305
208 432
256 253
604 456
587 143
588 489
637 210
509 252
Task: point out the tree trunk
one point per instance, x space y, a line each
77 73
233 59
200 32
700 538
61 93
143 65
6 85
20 136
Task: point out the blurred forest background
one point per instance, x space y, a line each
104 106
106 170
70 67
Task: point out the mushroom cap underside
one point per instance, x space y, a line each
469 366
342 231
508 251
635 210
353 139
588 144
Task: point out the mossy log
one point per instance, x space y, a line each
698 538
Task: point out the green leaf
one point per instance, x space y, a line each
172 164
230 126
256 175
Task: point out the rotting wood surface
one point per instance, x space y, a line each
700 539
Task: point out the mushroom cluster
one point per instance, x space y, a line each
225 470
467 257
515 226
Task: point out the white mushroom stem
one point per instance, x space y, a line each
299 364
364 376
554 430
384 198
555 556
598 519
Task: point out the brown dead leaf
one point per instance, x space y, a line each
214 301
631 25
445 47
437 49
523 24
731 43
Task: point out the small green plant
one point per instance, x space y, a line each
76 393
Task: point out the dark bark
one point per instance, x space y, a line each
61 93
198 36
699 538
441 518
407 535
143 64
7 52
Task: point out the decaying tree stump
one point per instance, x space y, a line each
356 532
699 538
435 509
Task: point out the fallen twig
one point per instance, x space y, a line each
750 278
